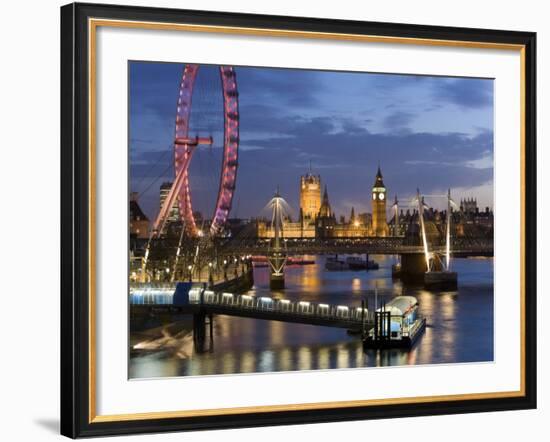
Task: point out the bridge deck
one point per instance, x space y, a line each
379 246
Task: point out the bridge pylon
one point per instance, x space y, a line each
277 251
438 273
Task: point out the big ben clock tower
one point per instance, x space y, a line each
379 224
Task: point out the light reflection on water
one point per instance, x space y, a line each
460 326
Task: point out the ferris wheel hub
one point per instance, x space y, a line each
207 141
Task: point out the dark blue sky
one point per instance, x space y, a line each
427 132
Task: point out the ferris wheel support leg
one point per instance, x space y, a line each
160 221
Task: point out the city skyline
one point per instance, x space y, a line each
427 132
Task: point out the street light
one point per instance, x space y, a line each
189 268
210 277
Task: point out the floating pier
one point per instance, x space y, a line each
396 325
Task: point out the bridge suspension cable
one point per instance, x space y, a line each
419 200
161 157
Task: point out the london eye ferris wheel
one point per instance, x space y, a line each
185 148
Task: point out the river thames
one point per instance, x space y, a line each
459 326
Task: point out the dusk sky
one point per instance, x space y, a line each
426 132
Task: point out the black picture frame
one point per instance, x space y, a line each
75 220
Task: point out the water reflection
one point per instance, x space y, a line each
460 326
356 285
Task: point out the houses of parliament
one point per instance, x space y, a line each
318 220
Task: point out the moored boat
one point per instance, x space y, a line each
299 261
357 263
262 261
334 264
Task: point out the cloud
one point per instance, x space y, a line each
296 88
344 125
398 120
466 93
351 126
347 162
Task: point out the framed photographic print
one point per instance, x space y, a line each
279 220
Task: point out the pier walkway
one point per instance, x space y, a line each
209 302
303 312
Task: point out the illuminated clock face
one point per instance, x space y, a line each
374 196
381 196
